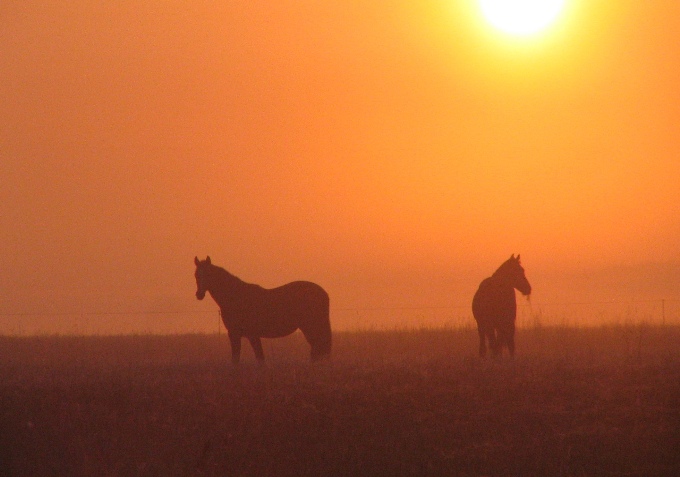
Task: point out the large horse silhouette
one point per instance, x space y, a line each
495 309
252 312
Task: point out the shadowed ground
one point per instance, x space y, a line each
602 401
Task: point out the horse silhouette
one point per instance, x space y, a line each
495 309
252 312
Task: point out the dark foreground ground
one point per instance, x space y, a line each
574 402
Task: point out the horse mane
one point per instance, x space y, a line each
502 269
224 277
505 267
230 281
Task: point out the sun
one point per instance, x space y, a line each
521 17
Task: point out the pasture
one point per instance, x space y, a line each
573 402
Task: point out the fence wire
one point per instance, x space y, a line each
576 314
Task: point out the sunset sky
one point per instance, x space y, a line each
395 152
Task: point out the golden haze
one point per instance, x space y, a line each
395 153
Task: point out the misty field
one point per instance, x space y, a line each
575 401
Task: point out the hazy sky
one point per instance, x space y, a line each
396 152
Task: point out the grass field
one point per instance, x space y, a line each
575 401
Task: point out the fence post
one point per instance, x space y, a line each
663 312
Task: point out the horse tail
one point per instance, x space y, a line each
317 329
325 336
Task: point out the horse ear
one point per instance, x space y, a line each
196 261
207 260
512 257
518 257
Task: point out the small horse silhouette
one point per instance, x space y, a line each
252 312
495 309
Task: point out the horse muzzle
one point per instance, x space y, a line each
200 294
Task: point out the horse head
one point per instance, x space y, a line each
203 274
513 272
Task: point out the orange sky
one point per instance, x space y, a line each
396 154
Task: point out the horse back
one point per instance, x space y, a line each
277 312
300 289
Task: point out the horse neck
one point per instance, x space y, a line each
501 278
223 285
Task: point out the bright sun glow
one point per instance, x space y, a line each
521 17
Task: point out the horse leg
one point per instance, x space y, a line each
256 343
320 343
482 341
235 340
495 341
506 337
320 352
511 339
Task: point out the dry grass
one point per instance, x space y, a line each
601 401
